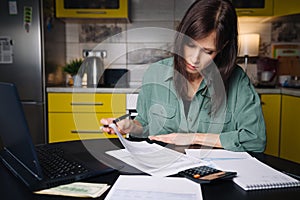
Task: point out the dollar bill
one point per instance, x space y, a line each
77 189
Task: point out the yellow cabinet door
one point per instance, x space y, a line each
86 102
286 7
271 104
290 128
76 116
76 126
90 9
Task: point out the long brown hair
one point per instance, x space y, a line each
202 18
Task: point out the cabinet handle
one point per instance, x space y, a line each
245 12
86 104
91 12
87 131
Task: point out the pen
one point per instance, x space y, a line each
118 119
292 175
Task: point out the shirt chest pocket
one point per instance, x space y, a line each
222 119
217 124
162 119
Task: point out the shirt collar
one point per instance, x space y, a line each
169 75
203 89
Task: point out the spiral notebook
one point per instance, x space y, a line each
255 175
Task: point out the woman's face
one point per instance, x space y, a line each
199 53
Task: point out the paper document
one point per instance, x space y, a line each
253 174
149 187
183 163
77 189
153 158
216 154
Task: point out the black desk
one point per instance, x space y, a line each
12 188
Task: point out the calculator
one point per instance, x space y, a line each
206 174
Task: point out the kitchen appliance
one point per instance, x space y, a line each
267 72
22 59
94 68
267 76
114 77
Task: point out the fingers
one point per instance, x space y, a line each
106 122
163 138
174 138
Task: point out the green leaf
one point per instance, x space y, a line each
73 66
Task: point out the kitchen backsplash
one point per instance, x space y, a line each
146 38
286 31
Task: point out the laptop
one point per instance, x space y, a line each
34 164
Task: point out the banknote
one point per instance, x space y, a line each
77 189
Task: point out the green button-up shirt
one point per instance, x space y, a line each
161 110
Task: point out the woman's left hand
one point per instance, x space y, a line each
175 138
207 139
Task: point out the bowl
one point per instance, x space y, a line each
284 79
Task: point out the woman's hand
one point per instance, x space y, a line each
123 125
175 138
207 139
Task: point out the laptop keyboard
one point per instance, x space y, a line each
54 164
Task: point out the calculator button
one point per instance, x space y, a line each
196 176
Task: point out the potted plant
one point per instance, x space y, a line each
71 68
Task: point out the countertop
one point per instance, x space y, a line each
279 90
129 90
136 89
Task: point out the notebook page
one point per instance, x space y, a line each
253 174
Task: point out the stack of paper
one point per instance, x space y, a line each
149 187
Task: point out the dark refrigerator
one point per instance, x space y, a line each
22 60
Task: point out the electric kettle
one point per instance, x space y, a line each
93 67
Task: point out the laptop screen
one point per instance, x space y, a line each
14 132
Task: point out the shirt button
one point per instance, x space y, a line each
236 144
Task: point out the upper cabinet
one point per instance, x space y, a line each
286 7
93 9
253 8
266 7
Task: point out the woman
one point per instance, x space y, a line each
200 96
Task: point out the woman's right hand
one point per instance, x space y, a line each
124 126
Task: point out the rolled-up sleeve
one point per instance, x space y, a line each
249 132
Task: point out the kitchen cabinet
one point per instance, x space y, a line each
286 7
271 107
105 9
76 116
253 8
290 126
154 10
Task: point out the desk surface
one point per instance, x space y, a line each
12 188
